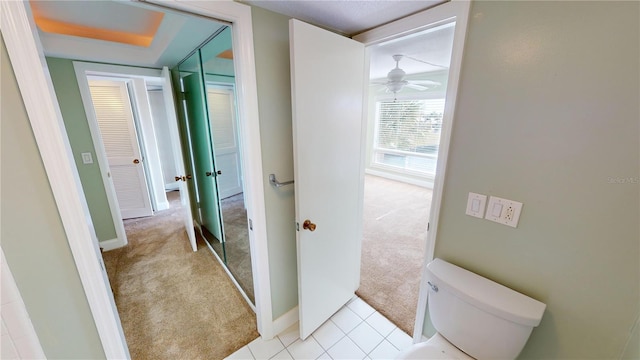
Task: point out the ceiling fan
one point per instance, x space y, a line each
396 81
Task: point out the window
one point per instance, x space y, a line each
407 135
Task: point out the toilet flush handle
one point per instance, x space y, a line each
433 286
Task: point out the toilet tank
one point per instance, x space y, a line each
484 319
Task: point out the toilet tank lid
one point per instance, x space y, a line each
485 294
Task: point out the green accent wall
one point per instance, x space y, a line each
34 240
77 127
548 115
271 46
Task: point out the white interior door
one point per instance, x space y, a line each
167 91
327 84
114 115
224 133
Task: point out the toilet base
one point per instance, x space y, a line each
437 347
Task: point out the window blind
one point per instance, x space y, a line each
408 134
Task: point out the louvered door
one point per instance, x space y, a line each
118 132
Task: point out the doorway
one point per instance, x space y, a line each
122 137
409 119
27 55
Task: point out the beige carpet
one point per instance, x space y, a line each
395 230
175 303
236 247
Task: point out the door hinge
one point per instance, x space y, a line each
250 224
297 226
428 224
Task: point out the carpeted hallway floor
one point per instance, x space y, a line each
394 237
175 303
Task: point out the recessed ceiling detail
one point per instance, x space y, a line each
227 54
139 33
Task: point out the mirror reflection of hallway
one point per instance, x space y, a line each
166 293
210 127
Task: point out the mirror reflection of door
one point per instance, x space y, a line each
115 118
211 130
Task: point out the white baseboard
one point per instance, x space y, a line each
285 321
397 177
172 186
163 205
111 244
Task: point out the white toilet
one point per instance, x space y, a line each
474 317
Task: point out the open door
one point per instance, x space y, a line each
167 92
327 85
202 149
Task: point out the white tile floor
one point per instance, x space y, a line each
357 331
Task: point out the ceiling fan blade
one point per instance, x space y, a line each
425 82
417 87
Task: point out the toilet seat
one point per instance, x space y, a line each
437 347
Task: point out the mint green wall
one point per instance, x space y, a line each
34 240
271 45
548 115
75 122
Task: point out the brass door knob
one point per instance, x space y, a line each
308 225
136 161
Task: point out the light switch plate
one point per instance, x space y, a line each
476 205
503 211
87 158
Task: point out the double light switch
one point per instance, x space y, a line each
502 211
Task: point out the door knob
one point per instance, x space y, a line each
219 172
136 161
189 177
178 178
308 225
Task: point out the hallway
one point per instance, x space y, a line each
173 302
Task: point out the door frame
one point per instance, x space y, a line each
27 56
440 14
82 71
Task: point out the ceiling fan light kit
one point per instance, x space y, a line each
395 79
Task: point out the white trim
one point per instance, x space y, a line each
150 144
286 320
110 244
25 51
458 10
172 186
81 70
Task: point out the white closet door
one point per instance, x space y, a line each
118 132
225 140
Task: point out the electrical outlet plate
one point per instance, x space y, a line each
476 203
503 211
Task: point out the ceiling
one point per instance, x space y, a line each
100 31
347 17
135 33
